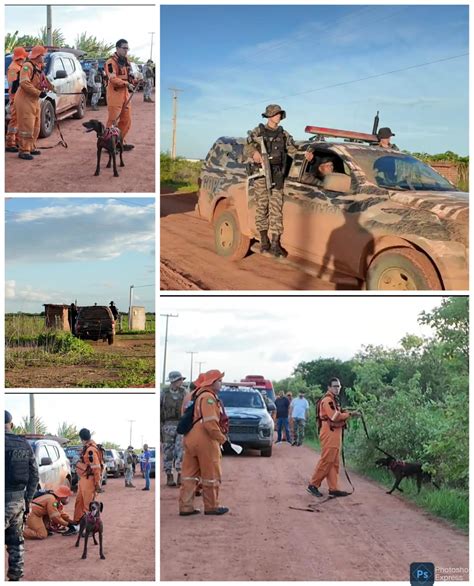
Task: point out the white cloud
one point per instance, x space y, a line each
10 289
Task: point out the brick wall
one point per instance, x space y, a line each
447 170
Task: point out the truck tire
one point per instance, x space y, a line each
81 108
266 452
110 339
47 119
402 269
229 241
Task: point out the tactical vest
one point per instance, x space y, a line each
17 462
171 408
275 143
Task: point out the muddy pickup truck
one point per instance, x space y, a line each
383 218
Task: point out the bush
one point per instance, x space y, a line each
63 343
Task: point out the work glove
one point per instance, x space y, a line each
42 95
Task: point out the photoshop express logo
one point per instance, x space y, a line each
422 574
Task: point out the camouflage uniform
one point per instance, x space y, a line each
148 81
171 404
95 85
21 482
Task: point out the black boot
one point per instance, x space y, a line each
276 248
264 241
169 479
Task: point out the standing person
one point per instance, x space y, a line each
119 75
202 448
171 403
72 317
146 466
129 467
114 310
19 56
33 87
278 144
94 81
89 470
47 512
299 412
332 420
21 481
283 407
147 71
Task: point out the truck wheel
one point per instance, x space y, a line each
402 269
117 474
47 119
266 452
81 108
110 339
228 239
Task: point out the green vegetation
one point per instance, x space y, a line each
179 174
462 164
415 401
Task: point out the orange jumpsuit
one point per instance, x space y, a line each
89 470
12 75
28 105
202 453
45 509
333 423
118 94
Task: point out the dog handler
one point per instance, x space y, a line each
88 469
333 420
33 87
202 449
19 56
118 72
47 509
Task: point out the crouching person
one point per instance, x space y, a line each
47 515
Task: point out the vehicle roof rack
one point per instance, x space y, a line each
321 133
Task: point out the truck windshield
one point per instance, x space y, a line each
241 399
399 171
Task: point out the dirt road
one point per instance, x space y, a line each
368 536
188 259
72 170
129 542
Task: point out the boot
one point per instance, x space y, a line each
95 108
178 479
276 248
264 241
169 479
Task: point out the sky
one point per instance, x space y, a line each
107 23
74 409
270 336
231 61
92 250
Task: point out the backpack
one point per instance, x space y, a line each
42 492
186 421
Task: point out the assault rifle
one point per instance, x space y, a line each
266 167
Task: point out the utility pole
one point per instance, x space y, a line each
167 315
131 421
191 375
202 362
49 26
32 425
130 301
175 113
151 48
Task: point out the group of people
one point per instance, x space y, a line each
279 144
28 85
30 514
291 416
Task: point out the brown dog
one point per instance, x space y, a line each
92 523
403 470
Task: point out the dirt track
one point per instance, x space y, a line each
188 259
368 536
129 546
72 170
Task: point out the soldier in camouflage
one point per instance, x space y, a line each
21 482
170 411
279 144
384 135
94 81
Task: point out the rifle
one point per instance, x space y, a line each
376 123
266 167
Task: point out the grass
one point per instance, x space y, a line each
446 503
179 174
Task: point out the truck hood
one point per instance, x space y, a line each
448 205
247 413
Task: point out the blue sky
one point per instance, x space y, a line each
233 60
107 23
90 249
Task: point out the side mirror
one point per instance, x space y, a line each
60 74
337 182
46 462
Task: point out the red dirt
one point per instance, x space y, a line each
370 535
189 261
72 170
129 542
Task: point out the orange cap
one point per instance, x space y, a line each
19 53
210 377
37 51
62 491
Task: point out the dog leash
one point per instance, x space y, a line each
127 102
370 439
61 141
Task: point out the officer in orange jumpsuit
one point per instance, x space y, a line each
45 511
89 470
118 72
194 386
333 421
202 449
19 56
33 87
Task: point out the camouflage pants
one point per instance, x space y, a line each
96 93
14 510
148 87
269 212
172 448
298 429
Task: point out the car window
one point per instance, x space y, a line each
241 399
43 453
69 65
55 453
57 65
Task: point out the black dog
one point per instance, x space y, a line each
403 470
92 523
109 139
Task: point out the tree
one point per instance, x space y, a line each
93 47
11 41
69 431
57 37
110 446
321 370
26 426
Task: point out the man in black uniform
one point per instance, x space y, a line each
114 310
21 482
